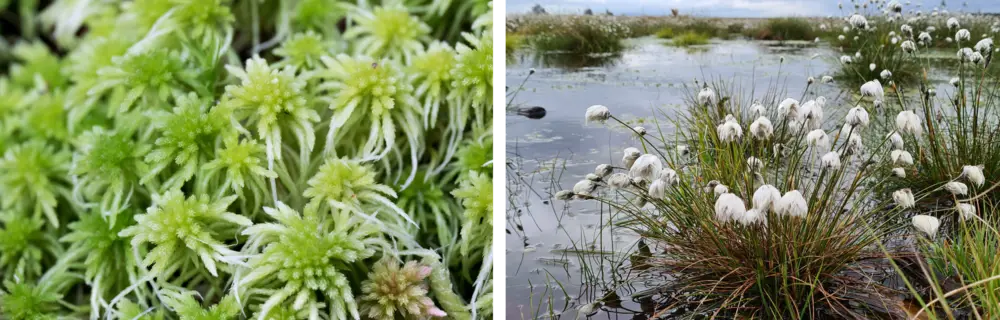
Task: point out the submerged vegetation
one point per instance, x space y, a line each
179 159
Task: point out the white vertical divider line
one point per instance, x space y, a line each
499 161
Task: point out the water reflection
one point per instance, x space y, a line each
569 61
788 47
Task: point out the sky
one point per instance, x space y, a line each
728 8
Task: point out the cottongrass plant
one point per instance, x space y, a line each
876 47
574 34
751 219
960 270
950 130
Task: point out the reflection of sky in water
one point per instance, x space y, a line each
647 76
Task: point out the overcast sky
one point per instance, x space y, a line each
727 8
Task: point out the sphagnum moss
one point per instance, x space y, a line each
183 231
159 161
388 31
303 258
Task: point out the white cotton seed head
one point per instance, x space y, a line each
901 157
896 140
963 35
858 21
826 79
792 204
706 96
758 110
846 59
974 174
954 81
646 167
619 181
895 6
907 122
873 89
952 23
908 46
631 154
811 80
854 144
926 224
761 128
730 118
730 131
830 160
976 57
812 114
794 127
720 189
727 206
766 197
593 177
858 117
753 216
638 181
899 172
924 38
956 188
640 130
848 131
658 189
966 211
818 138
584 187
711 185
984 46
683 150
885 74
754 164
564 195
598 113
871 67
904 198
964 53
669 176
789 108
603 170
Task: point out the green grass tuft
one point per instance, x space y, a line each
667 33
514 42
690 38
784 29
